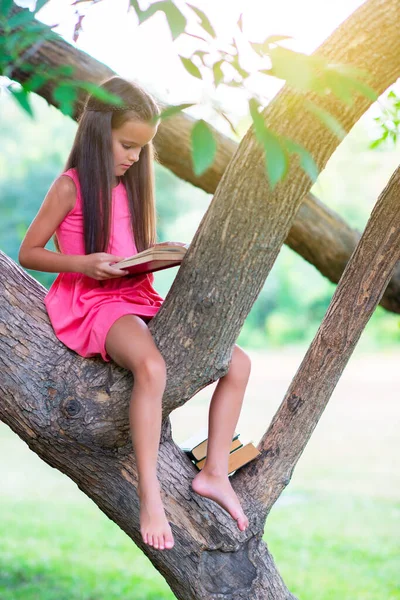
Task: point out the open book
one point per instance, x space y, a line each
156 258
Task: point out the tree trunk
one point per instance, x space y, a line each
73 412
317 233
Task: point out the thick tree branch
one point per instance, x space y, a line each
72 412
317 233
356 297
245 225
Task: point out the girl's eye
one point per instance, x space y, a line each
125 146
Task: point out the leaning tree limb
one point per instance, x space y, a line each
73 412
318 234
355 299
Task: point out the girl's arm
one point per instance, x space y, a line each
58 202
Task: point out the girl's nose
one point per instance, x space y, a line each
134 156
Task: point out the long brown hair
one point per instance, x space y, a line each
91 155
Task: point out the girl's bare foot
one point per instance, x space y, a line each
154 525
217 487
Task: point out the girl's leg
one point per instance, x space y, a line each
213 481
131 345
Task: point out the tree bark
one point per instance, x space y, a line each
356 297
73 412
318 234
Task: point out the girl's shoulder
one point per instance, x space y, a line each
67 187
71 174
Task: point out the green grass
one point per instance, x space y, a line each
337 547
57 551
327 547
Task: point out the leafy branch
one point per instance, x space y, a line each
223 64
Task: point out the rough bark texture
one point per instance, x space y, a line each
356 297
318 234
74 412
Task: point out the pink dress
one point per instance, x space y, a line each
82 309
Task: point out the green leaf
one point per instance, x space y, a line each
99 93
343 81
5 7
18 41
329 120
296 68
39 5
176 20
274 39
376 143
22 97
204 147
365 90
307 162
205 23
264 48
200 54
21 18
217 71
235 63
173 110
65 95
35 82
190 67
276 157
65 70
340 86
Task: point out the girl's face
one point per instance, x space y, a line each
127 142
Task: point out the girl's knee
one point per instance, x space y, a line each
240 366
151 370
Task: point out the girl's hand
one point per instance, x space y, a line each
99 266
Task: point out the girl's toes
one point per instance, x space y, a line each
169 542
150 540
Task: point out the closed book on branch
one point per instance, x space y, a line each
238 458
156 258
196 446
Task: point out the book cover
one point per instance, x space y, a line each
194 441
156 258
238 458
200 452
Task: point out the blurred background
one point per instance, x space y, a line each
334 532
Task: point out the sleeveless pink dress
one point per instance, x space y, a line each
82 309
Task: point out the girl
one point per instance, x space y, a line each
101 209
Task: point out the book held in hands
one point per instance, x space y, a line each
156 258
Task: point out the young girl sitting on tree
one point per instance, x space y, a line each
101 210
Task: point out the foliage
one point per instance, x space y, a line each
222 62
388 121
20 32
33 153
